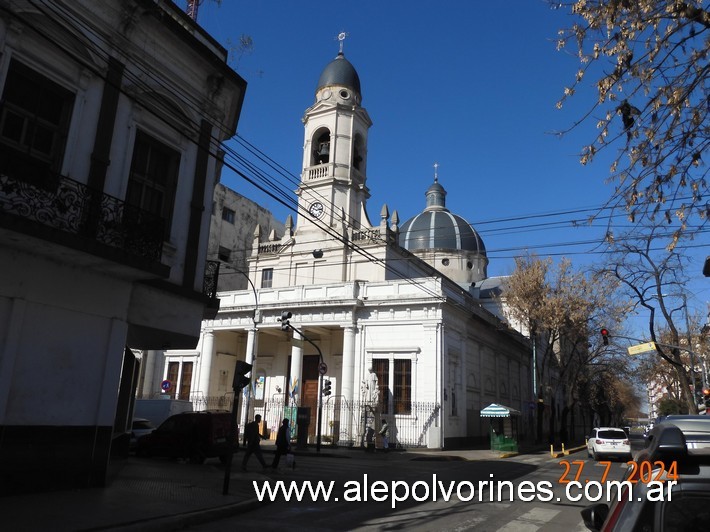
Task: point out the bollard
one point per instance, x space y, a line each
552 453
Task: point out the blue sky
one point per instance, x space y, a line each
471 85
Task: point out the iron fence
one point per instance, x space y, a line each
344 422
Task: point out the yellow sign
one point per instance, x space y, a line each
641 348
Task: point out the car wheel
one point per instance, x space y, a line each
596 456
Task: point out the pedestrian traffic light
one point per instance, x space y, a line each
605 336
285 316
326 387
240 378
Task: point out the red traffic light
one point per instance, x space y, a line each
706 392
605 336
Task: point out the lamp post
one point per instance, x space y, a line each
285 325
252 343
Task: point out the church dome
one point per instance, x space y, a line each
435 228
339 72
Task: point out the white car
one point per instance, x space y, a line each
608 441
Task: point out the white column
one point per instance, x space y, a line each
347 386
206 357
149 387
250 358
296 365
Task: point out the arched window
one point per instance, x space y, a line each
358 154
321 148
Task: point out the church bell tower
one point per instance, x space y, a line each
333 187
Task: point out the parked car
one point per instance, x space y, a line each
608 441
139 428
194 436
668 457
695 428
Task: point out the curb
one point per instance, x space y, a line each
509 455
567 452
184 520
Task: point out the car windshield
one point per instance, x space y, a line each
612 434
687 511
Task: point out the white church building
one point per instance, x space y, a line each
391 314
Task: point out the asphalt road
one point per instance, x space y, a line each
555 512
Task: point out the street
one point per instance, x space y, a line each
555 512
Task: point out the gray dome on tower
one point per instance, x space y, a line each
435 228
339 72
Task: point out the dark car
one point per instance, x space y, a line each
139 428
668 458
193 436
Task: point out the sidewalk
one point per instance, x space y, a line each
161 495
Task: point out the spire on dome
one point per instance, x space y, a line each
341 37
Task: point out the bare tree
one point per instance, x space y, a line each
649 61
654 278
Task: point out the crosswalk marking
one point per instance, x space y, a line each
530 521
470 523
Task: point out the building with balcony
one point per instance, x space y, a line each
391 315
111 120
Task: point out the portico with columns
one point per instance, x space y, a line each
377 296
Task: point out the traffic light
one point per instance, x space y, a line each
706 396
326 387
285 316
605 336
240 378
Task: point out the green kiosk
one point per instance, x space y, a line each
503 427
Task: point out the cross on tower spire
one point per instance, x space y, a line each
436 172
341 38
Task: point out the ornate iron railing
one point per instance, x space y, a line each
372 235
67 205
211 279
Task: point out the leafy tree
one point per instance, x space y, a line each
612 395
669 406
649 62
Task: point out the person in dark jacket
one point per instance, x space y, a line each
283 443
252 438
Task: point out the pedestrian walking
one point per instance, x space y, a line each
252 439
385 433
283 443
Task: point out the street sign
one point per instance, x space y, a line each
165 385
322 368
641 348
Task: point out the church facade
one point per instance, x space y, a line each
386 316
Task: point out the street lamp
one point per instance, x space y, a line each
285 326
252 341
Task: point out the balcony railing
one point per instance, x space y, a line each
211 279
66 205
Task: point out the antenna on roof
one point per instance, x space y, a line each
436 172
341 38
